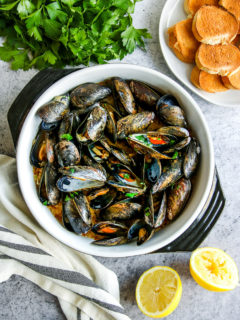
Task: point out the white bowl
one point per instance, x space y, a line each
201 188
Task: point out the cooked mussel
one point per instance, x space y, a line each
54 110
48 192
65 129
140 230
169 111
101 198
98 152
178 197
125 95
160 208
81 203
109 228
87 94
126 176
94 126
170 174
67 153
144 94
122 210
191 158
69 184
75 220
152 169
111 242
174 131
38 155
83 173
134 123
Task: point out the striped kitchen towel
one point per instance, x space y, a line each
84 287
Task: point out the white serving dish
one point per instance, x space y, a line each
204 176
172 13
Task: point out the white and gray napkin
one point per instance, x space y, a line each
85 288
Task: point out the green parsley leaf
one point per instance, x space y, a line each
45 203
66 136
131 195
71 195
54 33
67 198
126 176
72 170
175 155
171 142
147 211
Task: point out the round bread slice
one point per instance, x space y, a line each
233 81
192 6
219 59
232 6
208 82
211 82
182 41
213 25
195 77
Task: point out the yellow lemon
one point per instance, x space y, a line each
213 269
158 291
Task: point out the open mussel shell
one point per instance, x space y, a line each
50 143
101 198
98 152
87 94
38 156
174 131
140 230
51 126
122 210
69 184
151 143
191 158
125 95
119 154
126 176
81 203
65 221
83 173
134 123
149 209
47 191
90 162
66 126
129 191
111 242
109 228
177 197
169 111
160 209
179 145
144 94
54 110
96 123
152 169
170 174
67 153
73 217
111 125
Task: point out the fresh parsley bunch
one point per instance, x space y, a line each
54 33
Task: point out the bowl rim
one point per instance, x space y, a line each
144 249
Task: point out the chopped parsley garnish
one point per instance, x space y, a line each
72 170
175 155
143 139
45 203
71 195
172 142
147 211
131 195
126 176
67 136
67 198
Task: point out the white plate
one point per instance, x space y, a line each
172 13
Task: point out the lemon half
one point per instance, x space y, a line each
158 291
213 269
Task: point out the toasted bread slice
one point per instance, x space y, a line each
208 82
236 41
233 81
195 77
232 6
219 59
192 6
182 41
213 25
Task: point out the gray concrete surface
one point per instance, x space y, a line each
20 299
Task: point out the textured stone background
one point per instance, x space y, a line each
20 299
